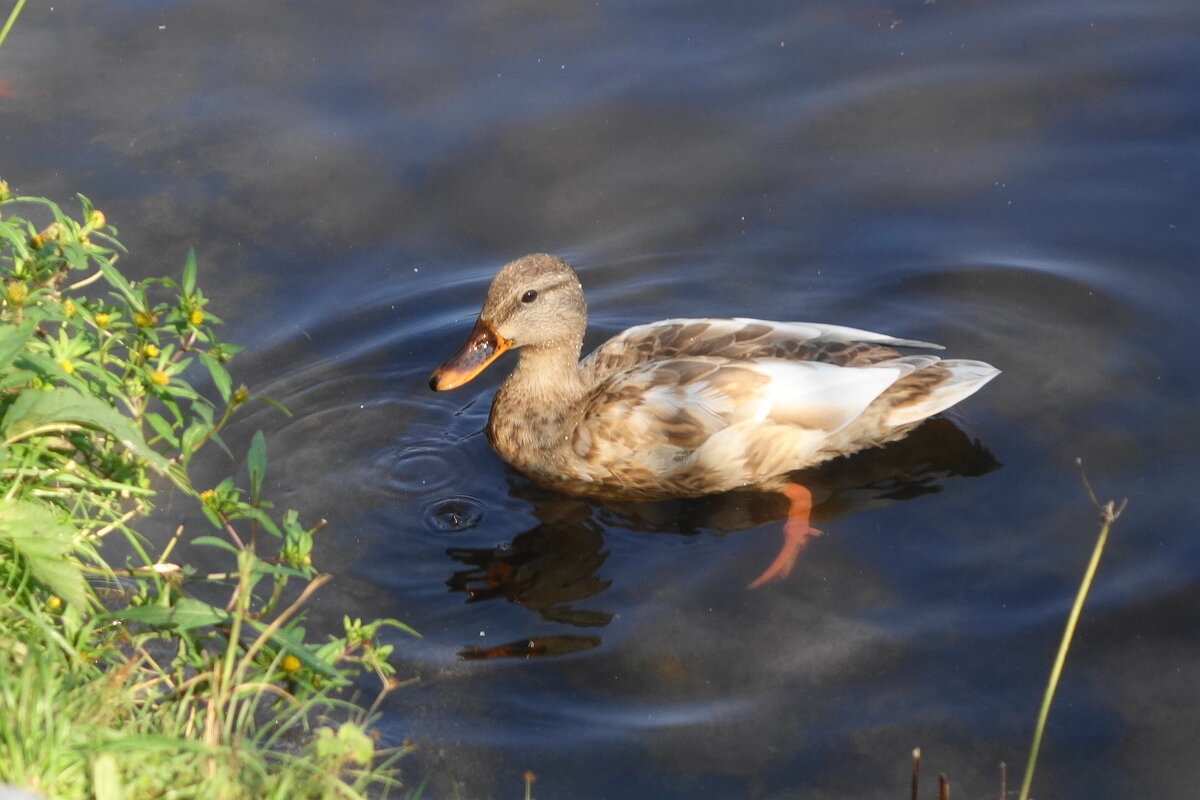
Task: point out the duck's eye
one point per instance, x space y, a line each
529 296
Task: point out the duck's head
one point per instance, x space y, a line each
534 302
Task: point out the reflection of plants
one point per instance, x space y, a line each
163 690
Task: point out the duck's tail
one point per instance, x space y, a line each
963 378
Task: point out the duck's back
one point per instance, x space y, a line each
739 338
692 406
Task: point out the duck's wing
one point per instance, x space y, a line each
722 423
740 338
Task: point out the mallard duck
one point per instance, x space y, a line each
688 407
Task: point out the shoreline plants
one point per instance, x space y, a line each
117 681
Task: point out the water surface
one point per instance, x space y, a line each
1013 180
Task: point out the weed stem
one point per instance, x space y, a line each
1108 515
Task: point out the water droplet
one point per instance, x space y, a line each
454 514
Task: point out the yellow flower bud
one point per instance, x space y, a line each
102 319
68 308
96 218
53 603
207 496
159 378
144 319
36 241
66 366
16 292
241 394
195 316
4 190
150 351
289 663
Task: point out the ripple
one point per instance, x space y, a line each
453 514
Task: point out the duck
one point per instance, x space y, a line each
687 407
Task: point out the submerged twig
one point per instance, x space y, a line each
916 770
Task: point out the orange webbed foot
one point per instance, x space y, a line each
797 533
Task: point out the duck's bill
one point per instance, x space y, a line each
481 348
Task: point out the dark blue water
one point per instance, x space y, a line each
1015 180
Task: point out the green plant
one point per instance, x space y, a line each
97 411
12 18
1109 512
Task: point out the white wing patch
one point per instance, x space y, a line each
816 395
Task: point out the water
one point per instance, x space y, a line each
1013 180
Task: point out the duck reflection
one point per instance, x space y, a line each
552 568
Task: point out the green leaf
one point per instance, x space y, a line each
258 515
163 428
350 744
13 378
36 535
189 273
276 404
216 438
106 778
286 639
398 625
256 462
220 375
74 254
208 513
187 614
193 436
178 475
117 281
214 541
36 411
12 339
280 571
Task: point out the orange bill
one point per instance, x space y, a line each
481 348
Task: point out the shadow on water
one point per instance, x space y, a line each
551 568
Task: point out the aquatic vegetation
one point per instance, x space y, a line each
1108 513
122 680
12 18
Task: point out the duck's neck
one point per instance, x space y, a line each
546 376
536 408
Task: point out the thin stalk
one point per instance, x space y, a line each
279 621
916 771
224 678
12 17
1108 515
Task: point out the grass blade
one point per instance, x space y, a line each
1108 515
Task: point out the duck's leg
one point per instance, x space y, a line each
796 535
